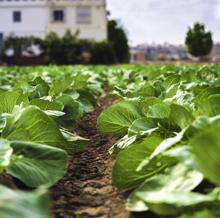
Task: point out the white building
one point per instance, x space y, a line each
39 17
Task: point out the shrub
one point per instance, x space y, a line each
103 53
59 50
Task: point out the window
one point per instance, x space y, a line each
58 15
16 16
83 15
1 40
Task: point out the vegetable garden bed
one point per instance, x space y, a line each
87 188
149 145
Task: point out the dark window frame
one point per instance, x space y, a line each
17 17
1 39
58 15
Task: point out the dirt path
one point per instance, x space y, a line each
86 190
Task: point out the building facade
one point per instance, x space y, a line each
39 17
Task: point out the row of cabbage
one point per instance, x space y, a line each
167 120
39 108
168 104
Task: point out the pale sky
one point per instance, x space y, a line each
159 21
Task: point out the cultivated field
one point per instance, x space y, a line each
110 141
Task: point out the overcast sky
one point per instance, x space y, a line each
159 21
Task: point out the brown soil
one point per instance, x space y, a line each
86 190
7 181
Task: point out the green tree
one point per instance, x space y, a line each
119 40
102 53
53 48
68 42
198 41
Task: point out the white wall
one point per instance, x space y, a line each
33 20
97 30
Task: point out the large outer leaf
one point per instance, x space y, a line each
41 86
17 204
8 101
167 143
5 154
72 107
149 102
159 111
135 204
177 202
142 126
180 116
171 79
31 124
206 147
37 164
118 118
200 124
165 193
210 106
60 85
201 214
123 143
162 147
46 105
207 100
124 171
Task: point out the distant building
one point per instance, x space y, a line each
137 54
39 17
215 54
144 52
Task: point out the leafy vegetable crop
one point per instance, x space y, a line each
38 109
167 121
